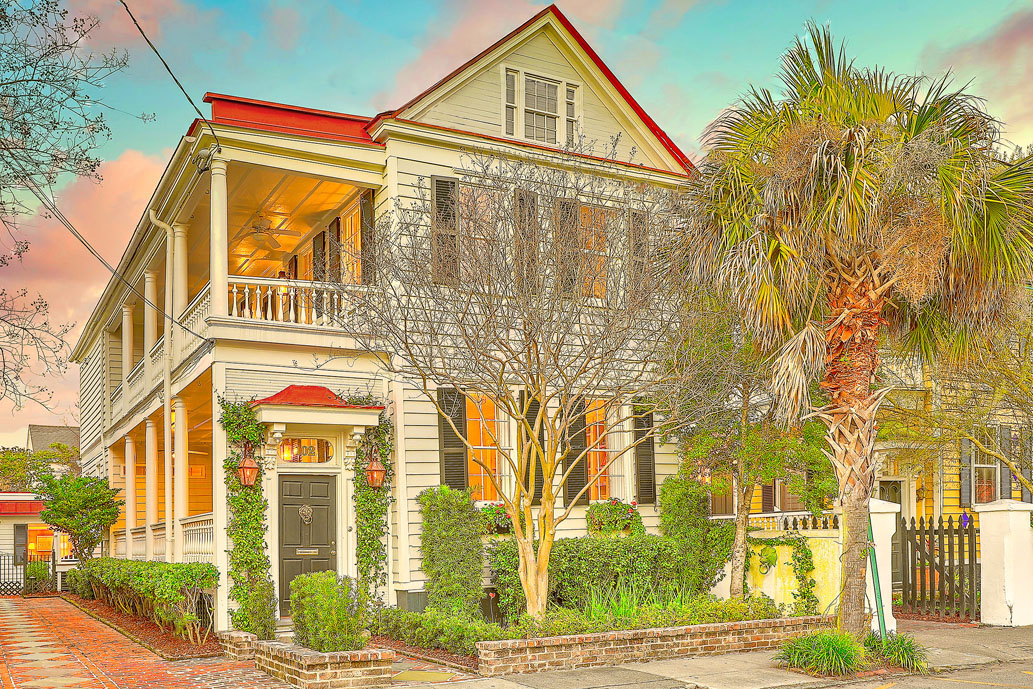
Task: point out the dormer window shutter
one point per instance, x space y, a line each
451 445
445 231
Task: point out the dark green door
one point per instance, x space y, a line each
308 529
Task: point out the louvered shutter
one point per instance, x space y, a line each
645 461
21 543
533 407
292 267
445 231
526 241
577 443
767 498
567 245
319 257
965 474
1026 462
452 447
1005 472
334 251
367 239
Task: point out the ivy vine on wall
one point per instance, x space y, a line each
805 600
251 585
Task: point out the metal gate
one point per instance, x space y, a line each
938 568
12 572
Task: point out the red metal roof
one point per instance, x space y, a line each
310 396
289 119
16 507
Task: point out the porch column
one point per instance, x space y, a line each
130 462
150 313
127 347
179 272
180 473
150 482
219 508
219 253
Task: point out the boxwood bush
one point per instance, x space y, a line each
326 613
450 544
164 592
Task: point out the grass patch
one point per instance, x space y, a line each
899 650
824 653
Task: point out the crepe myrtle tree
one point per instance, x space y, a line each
858 203
532 294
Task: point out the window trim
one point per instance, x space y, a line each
561 100
990 463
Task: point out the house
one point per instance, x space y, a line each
232 244
41 437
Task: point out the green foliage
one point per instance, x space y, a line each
704 545
899 650
823 653
326 613
580 566
614 516
371 507
450 544
38 578
436 629
79 583
251 585
84 507
166 593
495 519
805 600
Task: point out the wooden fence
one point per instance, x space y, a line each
938 568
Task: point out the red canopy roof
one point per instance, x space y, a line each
16 507
311 396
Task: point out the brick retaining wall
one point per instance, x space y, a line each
310 669
612 648
238 645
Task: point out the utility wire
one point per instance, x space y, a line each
171 74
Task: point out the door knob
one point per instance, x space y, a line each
333 552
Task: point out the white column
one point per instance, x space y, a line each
150 481
219 507
150 314
884 516
130 460
180 281
181 473
127 347
1005 563
219 254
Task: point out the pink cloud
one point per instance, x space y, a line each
466 27
116 28
67 276
285 26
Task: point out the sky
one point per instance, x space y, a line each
683 60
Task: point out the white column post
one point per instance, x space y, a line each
150 314
884 516
1005 563
219 508
127 348
180 281
130 460
150 482
181 473
219 253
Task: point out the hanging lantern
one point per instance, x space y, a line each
375 471
247 470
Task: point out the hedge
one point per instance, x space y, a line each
164 592
326 613
450 545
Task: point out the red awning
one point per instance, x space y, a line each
310 396
16 507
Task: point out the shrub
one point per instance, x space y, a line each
899 650
435 629
326 613
614 516
453 557
704 545
824 653
37 577
256 612
79 583
84 507
164 592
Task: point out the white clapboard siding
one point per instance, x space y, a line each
91 397
248 383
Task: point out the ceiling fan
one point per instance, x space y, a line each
261 232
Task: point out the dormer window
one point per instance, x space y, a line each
539 108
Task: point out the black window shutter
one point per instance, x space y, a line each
1025 460
965 474
292 267
1005 472
567 245
444 231
368 256
21 543
526 241
645 461
533 407
334 250
319 257
767 497
577 442
453 449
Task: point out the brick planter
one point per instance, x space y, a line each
238 645
309 669
613 648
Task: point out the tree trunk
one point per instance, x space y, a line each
739 545
852 329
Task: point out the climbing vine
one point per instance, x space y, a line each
371 507
805 600
251 585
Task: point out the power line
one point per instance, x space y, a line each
171 74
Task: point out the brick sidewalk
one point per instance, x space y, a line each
46 643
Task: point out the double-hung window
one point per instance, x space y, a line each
541 109
538 108
482 432
985 477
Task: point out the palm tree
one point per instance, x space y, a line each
856 205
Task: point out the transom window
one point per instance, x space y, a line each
305 450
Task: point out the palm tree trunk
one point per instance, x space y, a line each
855 317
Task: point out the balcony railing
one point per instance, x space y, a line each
135 380
297 302
139 542
156 355
158 542
195 317
198 538
116 401
788 521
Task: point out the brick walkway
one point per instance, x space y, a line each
46 643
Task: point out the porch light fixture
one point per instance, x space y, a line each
375 470
247 470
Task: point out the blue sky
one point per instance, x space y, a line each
682 59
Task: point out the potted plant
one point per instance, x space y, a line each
495 520
614 516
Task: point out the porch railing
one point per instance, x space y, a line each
156 355
139 542
198 538
120 543
788 521
135 380
158 544
116 401
298 302
195 317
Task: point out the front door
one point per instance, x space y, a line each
308 529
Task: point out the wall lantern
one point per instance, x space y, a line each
375 470
247 470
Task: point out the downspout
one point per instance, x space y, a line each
170 526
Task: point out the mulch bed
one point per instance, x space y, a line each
433 655
146 633
922 617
